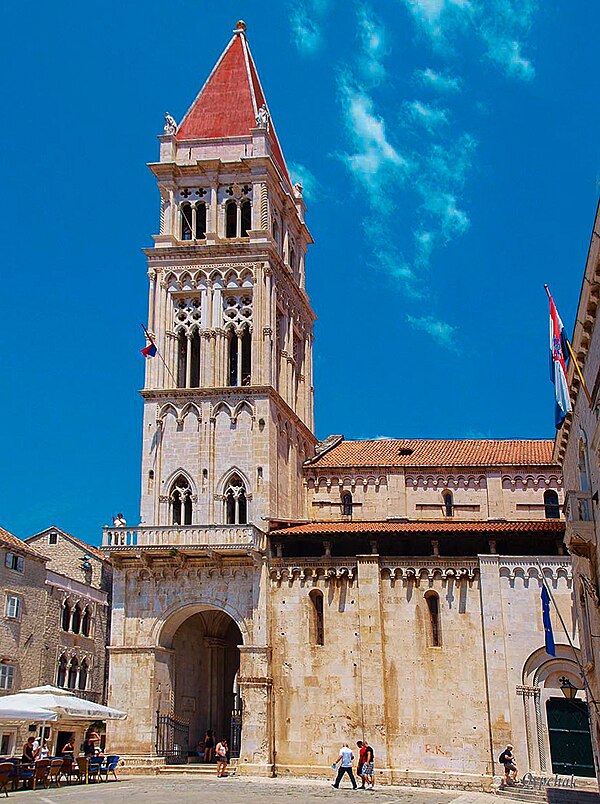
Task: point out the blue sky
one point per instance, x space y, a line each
450 156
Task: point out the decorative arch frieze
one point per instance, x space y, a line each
441 481
528 572
313 573
531 481
429 571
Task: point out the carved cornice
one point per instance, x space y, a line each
312 571
429 570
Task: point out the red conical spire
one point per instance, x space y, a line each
229 101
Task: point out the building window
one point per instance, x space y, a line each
61 672
200 220
13 607
182 349
14 562
76 619
6 743
317 630
433 606
246 218
66 616
347 504
231 219
53 538
7 676
83 676
448 503
73 673
186 222
236 504
86 621
551 506
181 502
240 358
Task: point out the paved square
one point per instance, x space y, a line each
241 790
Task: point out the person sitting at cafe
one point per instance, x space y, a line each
68 749
29 751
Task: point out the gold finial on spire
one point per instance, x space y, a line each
240 27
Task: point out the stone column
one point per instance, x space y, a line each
373 708
256 689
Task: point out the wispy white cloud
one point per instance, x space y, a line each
306 20
427 115
435 17
441 332
300 173
374 158
372 37
507 53
442 82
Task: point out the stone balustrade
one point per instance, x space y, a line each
225 538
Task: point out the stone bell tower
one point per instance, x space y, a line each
229 399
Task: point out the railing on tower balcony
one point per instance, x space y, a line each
226 538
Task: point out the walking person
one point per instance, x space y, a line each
362 751
222 750
345 759
209 746
369 767
507 758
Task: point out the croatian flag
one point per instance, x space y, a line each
150 350
550 647
558 365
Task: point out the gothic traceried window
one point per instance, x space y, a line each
186 222
246 218
187 320
73 673
237 316
83 675
231 219
66 616
236 504
86 621
76 619
61 672
200 220
181 502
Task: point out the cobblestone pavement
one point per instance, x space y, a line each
244 790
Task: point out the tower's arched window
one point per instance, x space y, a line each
276 233
73 671
347 504
181 502
292 260
246 217
448 503
61 672
246 356
186 221
194 345
200 220
433 606
317 630
233 358
551 507
86 621
231 219
76 619
182 347
83 675
236 504
584 480
66 616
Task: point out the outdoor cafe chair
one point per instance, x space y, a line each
109 766
6 774
35 773
55 770
81 771
68 769
93 771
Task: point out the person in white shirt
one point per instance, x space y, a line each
345 759
119 521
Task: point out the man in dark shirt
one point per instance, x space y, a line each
362 751
510 769
369 767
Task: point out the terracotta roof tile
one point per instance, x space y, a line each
227 104
440 526
9 540
438 452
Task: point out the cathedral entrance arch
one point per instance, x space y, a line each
204 645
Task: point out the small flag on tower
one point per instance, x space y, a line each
150 350
550 647
558 365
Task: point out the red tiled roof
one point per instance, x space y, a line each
227 104
9 540
440 526
438 452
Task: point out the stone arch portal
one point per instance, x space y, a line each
201 690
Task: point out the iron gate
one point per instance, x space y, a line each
172 738
235 737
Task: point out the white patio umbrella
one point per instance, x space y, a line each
61 703
28 710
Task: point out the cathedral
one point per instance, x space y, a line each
289 593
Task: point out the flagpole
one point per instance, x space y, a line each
573 358
147 334
562 622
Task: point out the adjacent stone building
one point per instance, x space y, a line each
294 593
55 617
578 449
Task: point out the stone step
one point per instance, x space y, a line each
549 795
519 793
194 770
